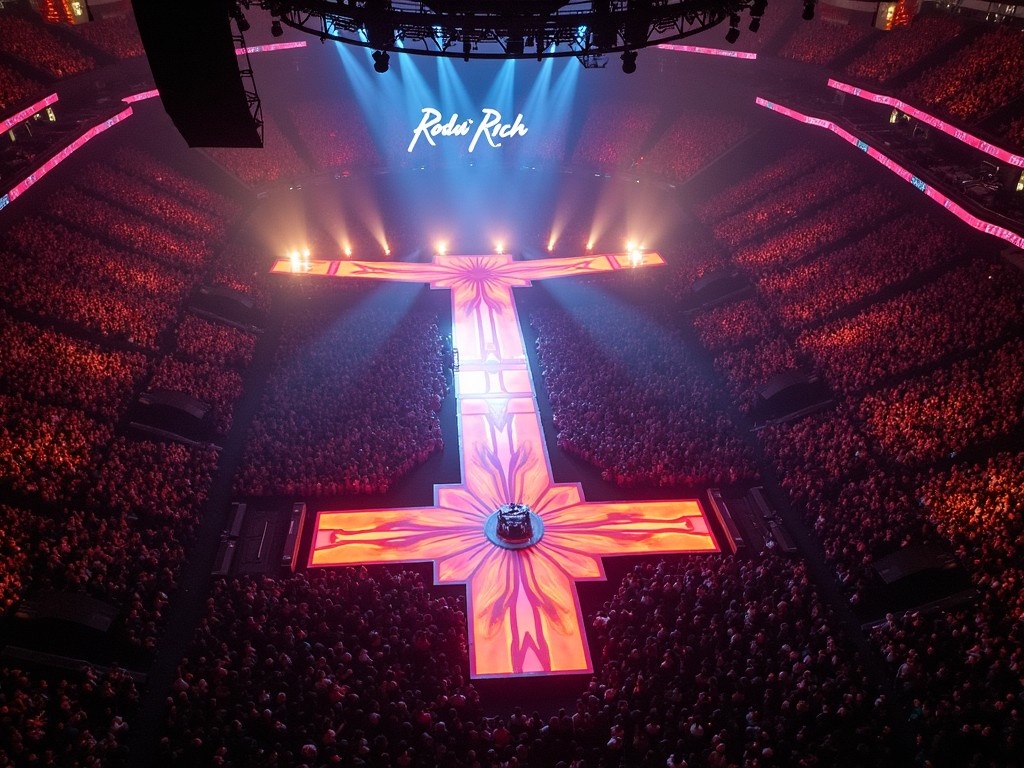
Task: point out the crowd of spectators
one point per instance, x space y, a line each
335 134
822 41
720 661
959 671
733 324
206 342
983 76
902 48
351 406
207 382
939 414
277 160
748 369
116 34
899 249
788 202
700 661
74 719
120 228
47 450
46 366
628 398
16 88
614 134
133 194
180 185
918 327
694 139
63 274
826 226
756 185
87 508
339 666
27 39
926 379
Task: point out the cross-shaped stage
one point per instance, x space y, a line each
524 613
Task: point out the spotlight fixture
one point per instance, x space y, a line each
628 62
755 24
734 30
381 61
809 10
275 28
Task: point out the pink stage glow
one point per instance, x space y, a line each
708 51
957 133
524 613
27 112
61 156
951 206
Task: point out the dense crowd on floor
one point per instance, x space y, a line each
628 398
352 404
74 719
16 88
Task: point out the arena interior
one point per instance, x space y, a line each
517 412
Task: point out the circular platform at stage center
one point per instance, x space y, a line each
514 526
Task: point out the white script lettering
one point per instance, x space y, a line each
490 128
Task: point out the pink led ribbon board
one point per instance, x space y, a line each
524 612
957 133
953 207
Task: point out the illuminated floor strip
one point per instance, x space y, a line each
957 133
524 614
955 208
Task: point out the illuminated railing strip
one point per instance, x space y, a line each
27 112
61 156
271 47
951 130
708 51
958 211
142 96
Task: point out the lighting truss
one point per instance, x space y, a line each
506 29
